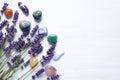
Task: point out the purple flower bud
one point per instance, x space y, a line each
33 77
54 77
21 61
7 51
38 73
15 18
15 58
4 7
11 31
3 23
50 54
34 30
26 63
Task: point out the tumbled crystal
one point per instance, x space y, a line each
33 62
43 31
37 15
24 8
8 13
50 70
24 25
52 38
56 57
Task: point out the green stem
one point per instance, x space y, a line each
9 59
31 70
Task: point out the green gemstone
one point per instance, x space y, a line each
52 38
37 15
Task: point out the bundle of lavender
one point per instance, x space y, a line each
13 52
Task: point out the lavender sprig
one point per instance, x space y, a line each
34 30
35 49
17 61
50 54
2 39
38 73
8 49
3 23
15 18
11 31
4 7
20 44
54 77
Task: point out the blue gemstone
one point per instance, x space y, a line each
56 57
43 31
24 25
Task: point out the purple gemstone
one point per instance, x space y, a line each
23 8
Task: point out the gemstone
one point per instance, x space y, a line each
56 56
52 38
50 70
33 62
43 31
24 25
24 8
37 15
8 13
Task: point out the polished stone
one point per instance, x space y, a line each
56 56
8 13
43 30
50 70
52 38
24 25
33 62
37 15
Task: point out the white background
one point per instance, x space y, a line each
89 34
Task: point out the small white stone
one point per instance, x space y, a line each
43 30
56 56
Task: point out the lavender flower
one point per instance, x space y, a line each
36 47
54 77
14 58
20 44
50 54
7 51
28 43
34 30
12 45
2 40
4 7
25 33
25 64
23 8
3 23
38 73
15 18
15 61
11 31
